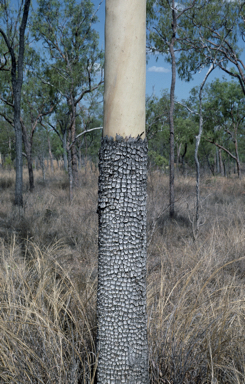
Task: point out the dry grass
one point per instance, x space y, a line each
196 298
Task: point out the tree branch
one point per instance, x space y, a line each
221 147
83 133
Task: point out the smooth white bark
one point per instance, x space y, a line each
125 68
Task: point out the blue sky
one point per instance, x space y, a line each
158 73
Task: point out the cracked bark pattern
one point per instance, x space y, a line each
121 302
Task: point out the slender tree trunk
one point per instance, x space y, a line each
183 160
86 155
65 152
211 168
18 161
234 157
237 159
171 114
178 158
198 139
73 147
217 161
50 155
42 163
238 168
224 168
121 304
70 175
28 149
17 80
221 168
79 158
30 172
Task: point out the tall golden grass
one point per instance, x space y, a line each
48 277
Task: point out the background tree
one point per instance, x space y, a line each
157 130
74 59
213 30
38 100
7 143
13 34
165 37
157 126
121 304
225 115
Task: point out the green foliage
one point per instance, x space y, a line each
160 16
56 145
8 163
224 111
7 138
157 117
91 141
158 160
71 44
212 32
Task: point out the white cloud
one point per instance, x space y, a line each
158 69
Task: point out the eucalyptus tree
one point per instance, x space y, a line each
224 117
196 222
165 19
60 127
73 58
12 32
121 303
59 123
37 100
216 30
37 103
157 127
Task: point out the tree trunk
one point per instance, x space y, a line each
122 333
237 159
42 163
224 167
28 149
198 139
70 174
171 115
80 156
178 158
30 172
65 152
221 167
210 166
183 160
50 155
18 161
121 303
17 80
217 161
73 148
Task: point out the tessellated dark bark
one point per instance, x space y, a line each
122 333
